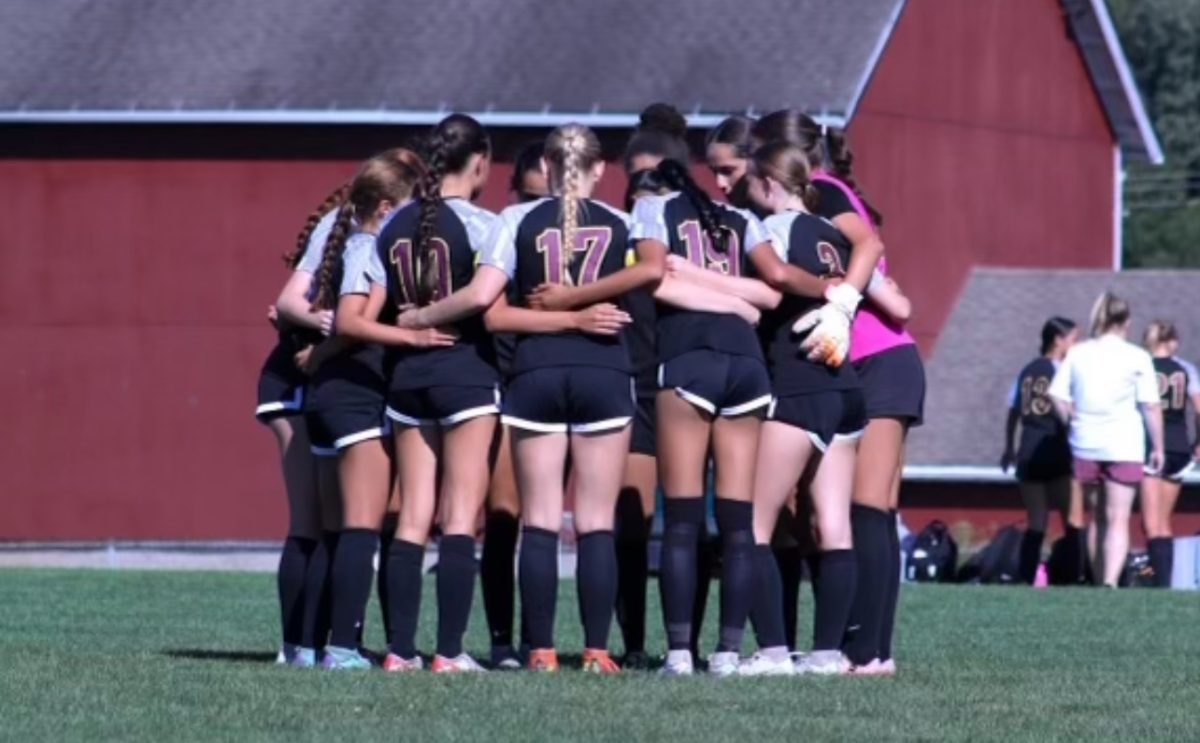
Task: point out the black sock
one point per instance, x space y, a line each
1075 546
1162 558
539 585
683 519
888 629
387 534
404 596
835 595
767 609
632 535
596 579
316 593
497 577
789 562
871 545
455 591
735 524
351 584
293 569
706 561
1030 555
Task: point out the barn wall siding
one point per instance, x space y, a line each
981 140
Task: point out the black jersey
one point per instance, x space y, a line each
673 221
1031 399
1173 390
459 235
640 339
528 246
814 245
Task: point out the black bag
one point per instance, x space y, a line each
1067 565
933 556
998 562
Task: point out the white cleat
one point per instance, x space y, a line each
823 663
723 664
678 663
762 665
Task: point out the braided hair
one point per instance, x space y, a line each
449 147
331 202
570 151
679 178
825 146
390 176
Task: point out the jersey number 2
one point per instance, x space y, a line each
593 242
401 256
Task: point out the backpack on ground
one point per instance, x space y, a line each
998 562
933 556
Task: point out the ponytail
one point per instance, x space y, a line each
841 160
331 202
334 247
570 150
679 178
1158 333
1109 311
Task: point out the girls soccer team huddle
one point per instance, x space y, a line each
437 361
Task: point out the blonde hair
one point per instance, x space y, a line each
1108 312
1158 333
570 151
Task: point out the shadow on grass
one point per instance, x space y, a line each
223 656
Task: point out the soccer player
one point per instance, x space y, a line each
312 517
345 411
1043 457
1160 488
443 396
1102 389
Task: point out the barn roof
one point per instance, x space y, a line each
526 62
517 62
994 331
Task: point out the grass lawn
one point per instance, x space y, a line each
186 656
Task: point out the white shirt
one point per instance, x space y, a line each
1106 380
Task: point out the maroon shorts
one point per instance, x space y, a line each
1091 472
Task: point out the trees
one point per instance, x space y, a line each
1162 219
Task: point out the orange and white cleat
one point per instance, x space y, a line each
599 662
543 661
459 664
395 664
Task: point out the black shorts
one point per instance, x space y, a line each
443 406
718 383
1045 460
893 384
643 440
579 399
344 408
825 416
280 385
1176 464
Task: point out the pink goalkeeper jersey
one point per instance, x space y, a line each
872 332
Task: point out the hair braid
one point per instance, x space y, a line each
332 201
331 259
431 201
841 161
679 178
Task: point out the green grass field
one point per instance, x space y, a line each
186 656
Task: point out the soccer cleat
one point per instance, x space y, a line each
823 663
304 658
760 664
395 664
543 661
344 659
505 658
599 662
723 664
678 663
875 667
459 664
287 653
636 661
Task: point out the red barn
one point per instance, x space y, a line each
156 160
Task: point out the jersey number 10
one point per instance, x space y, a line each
593 242
401 256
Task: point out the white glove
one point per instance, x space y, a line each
829 339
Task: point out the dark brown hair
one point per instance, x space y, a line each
331 202
448 150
